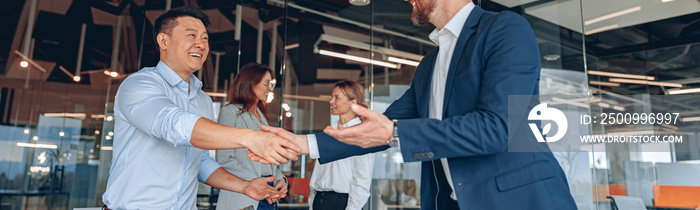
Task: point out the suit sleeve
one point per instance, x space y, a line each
511 66
405 107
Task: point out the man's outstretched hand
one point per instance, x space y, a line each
273 149
299 141
375 129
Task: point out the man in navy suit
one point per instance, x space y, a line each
453 118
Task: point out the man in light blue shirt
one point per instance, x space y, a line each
164 128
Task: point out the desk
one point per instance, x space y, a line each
400 207
294 206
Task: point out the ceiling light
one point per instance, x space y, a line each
612 15
643 82
213 94
24 64
603 83
604 105
610 74
359 2
403 61
288 114
683 91
604 28
113 74
619 108
29 61
690 119
570 102
552 57
76 78
26 131
286 107
47 146
61 133
356 58
365 46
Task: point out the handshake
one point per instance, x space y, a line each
275 145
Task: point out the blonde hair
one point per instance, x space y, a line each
353 90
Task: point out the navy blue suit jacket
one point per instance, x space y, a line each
495 56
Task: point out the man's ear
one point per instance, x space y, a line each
163 40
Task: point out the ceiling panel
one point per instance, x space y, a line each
604 15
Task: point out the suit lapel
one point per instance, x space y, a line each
464 35
423 95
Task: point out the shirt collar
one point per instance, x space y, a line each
455 25
174 79
352 122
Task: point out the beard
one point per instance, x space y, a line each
421 12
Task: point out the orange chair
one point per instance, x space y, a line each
687 197
299 186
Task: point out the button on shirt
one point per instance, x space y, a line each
446 39
351 175
154 165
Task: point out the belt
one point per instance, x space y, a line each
327 194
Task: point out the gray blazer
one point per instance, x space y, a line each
237 162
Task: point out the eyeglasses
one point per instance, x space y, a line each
271 84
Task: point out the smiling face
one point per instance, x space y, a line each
340 103
186 47
262 88
422 9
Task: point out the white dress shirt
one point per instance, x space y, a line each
446 38
351 175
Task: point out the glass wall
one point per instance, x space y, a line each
651 47
56 133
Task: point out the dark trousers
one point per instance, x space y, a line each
330 200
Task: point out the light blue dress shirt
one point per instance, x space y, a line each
154 165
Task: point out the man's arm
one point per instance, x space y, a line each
209 135
256 189
511 67
143 103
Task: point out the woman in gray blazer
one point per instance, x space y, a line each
247 108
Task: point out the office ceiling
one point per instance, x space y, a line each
655 40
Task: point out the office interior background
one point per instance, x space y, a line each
61 62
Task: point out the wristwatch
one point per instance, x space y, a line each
394 141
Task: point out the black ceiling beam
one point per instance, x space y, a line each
104 6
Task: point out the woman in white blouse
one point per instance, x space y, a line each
343 184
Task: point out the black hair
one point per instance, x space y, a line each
166 21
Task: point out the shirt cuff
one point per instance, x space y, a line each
187 127
209 165
313 146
